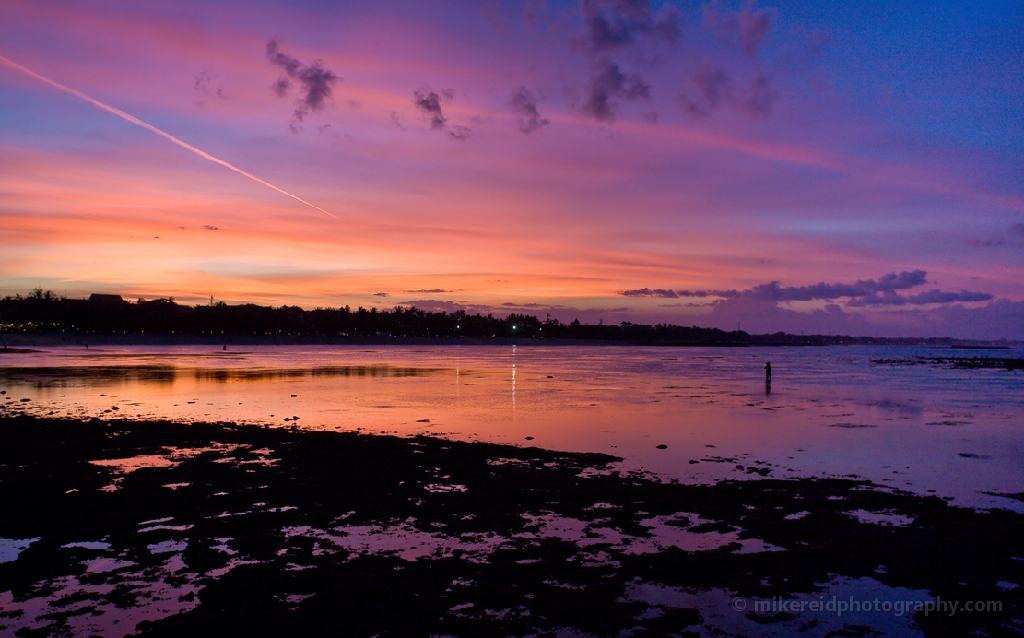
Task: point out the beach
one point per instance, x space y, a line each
174 529
499 490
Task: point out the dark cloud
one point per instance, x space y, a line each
460 133
609 25
648 292
315 81
691 107
429 102
281 86
396 120
892 281
883 291
891 298
298 117
759 97
887 298
1013 236
380 294
870 291
749 27
204 83
724 294
290 65
937 296
724 79
524 105
712 88
714 85
753 27
607 86
427 291
617 32
211 227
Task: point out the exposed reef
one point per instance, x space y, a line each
171 529
958 363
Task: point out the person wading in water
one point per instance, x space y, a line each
768 372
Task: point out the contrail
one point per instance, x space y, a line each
134 120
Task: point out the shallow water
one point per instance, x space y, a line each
831 411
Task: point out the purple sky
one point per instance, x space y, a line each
852 167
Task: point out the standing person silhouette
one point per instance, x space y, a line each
768 372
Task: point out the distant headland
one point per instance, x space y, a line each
110 318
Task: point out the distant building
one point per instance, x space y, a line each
98 298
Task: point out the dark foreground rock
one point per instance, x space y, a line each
170 530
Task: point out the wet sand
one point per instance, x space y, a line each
174 529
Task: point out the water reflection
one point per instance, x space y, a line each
836 411
380 371
107 374
513 377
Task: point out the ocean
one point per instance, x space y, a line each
904 417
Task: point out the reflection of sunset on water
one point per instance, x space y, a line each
832 411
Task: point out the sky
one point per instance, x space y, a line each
828 167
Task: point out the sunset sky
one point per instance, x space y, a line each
852 167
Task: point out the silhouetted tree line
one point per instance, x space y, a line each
44 312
